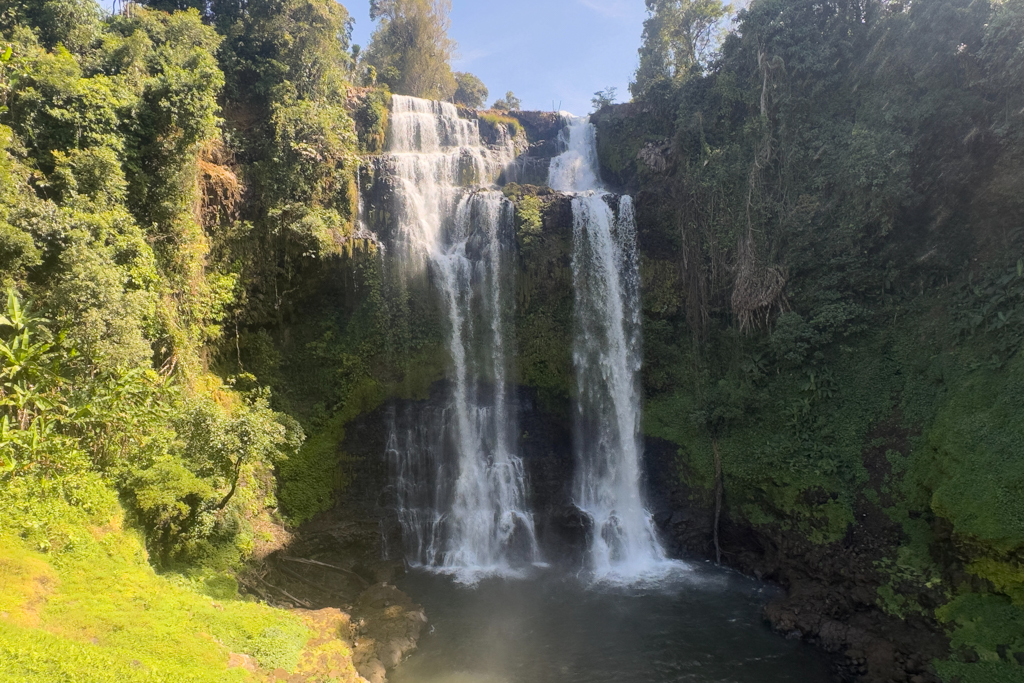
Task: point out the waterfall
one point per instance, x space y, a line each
459 481
606 358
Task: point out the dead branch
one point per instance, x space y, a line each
363 581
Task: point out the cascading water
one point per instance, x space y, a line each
460 484
607 357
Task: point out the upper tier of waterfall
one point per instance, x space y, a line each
576 168
436 158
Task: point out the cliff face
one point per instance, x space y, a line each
869 437
869 441
829 549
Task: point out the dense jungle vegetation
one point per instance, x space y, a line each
830 200
165 178
832 206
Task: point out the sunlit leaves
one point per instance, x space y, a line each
411 50
680 38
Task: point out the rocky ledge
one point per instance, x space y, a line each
331 571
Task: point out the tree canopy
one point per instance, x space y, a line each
507 103
471 91
162 175
679 40
603 98
410 50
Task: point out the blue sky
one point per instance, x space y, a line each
548 52
545 51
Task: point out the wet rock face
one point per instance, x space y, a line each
545 443
656 156
546 451
542 129
527 169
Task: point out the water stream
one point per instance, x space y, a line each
459 481
607 357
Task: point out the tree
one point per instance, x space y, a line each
680 38
602 98
287 65
71 23
410 49
507 103
471 91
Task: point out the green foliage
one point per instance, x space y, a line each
103 144
140 222
528 221
993 307
984 623
471 91
604 98
624 135
182 497
33 404
826 180
178 460
511 125
71 23
544 298
977 438
507 103
680 38
371 120
410 50
313 476
286 94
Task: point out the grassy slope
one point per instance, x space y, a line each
80 602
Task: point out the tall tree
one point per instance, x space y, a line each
410 50
286 64
471 90
680 37
604 98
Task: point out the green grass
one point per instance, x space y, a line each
495 119
81 602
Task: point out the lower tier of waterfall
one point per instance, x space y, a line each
607 357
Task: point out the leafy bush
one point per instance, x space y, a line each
177 459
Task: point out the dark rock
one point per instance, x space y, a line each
528 169
831 590
656 156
